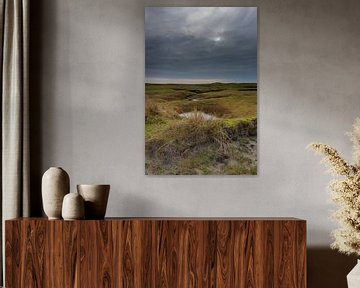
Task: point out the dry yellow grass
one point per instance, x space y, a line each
190 132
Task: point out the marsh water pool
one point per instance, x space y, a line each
203 115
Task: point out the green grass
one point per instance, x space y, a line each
226 145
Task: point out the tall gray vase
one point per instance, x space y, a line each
55 185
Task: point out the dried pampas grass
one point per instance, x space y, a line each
345 192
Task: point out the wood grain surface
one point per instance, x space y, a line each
159 252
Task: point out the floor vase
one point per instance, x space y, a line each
353 278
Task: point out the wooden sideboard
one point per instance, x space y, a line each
156 252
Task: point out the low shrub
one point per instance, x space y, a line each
239 128
155 110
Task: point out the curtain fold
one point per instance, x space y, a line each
14 24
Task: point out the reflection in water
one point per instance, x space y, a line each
205 116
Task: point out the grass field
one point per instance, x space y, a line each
201 129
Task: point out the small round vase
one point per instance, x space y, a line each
73 207
96 198
55 185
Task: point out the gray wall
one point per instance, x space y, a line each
88 107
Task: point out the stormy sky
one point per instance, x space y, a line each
200 44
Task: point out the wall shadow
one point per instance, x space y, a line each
35 72
327 268
140 207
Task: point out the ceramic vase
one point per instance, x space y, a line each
73 207
96 198
353 278
55 185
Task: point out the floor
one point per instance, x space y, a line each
328 268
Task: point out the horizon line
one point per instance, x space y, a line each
198 83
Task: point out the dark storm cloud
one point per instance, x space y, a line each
204 44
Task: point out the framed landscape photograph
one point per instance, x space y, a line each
201 90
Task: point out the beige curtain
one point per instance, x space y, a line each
14 25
